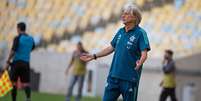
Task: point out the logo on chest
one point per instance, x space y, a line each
130 41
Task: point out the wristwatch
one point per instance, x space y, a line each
95 57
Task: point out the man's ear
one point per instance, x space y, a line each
134 18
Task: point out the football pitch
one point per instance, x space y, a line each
45 97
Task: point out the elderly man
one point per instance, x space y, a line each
130 46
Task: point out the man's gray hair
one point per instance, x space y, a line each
133 9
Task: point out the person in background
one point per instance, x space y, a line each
19 59
168 83
78 72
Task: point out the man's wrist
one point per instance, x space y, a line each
140 63
95 56
8 61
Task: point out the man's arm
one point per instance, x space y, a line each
8 61
161 83
10 56
70 64
108 50
34 46
169 67
12 51
142 59
144 48
88 57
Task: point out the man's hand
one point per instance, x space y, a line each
6 67
164 62
86 57
1 72
141 60
138 64
67 71
161 84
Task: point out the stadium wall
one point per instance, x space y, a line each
52 65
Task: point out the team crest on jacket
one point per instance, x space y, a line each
130 42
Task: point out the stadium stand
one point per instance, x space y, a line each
180 30
176 25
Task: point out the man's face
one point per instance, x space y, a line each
167 56
127 17
79 47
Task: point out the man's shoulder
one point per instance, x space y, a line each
141 30
16 38
120 30
29 36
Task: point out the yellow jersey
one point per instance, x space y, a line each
79 66
169 80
